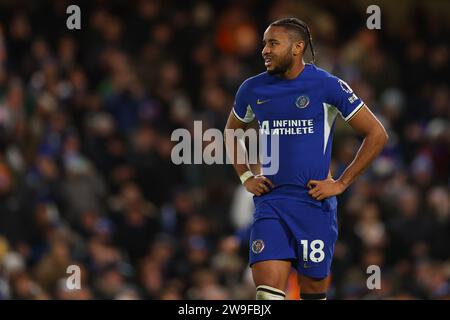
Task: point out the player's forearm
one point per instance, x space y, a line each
256 168
254 163
237 152
370 148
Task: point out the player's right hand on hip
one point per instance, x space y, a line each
258 185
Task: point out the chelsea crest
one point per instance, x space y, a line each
302 102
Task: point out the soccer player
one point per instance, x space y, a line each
295 222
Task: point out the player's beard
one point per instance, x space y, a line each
284 64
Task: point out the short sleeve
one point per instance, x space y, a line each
343 98
242 108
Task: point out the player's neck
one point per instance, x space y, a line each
294 72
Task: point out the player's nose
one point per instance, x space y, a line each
265 50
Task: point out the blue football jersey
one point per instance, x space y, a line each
302 113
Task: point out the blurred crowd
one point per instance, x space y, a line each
86 176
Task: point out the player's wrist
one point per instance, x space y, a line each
342 184
245 176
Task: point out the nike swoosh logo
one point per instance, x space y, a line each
262 101
307 266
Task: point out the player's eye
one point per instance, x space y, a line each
270 43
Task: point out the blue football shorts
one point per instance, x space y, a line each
290 229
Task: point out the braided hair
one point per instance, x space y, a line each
300 28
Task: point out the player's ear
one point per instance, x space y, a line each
298 47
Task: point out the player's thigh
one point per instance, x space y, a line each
271 251
270 239
313 285
273 273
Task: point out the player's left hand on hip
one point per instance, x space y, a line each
322 189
